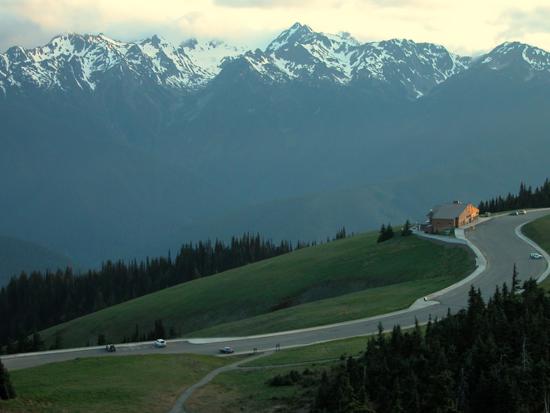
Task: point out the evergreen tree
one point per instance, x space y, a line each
58 341
135 336
386 233
382 234
491 357
37 342
33 302
527 197
6 388
515 280
406 230
389 232
341 234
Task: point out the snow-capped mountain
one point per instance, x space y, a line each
301 53
517 55
82 61
297 54
209 55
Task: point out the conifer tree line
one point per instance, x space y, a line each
527 197
32 302
491 357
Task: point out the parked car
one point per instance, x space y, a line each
160 343
110 348
535 256
226 350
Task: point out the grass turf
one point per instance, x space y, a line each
108 384
247 391
321 352
346 269
351 306
539 231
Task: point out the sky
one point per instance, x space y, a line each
467 27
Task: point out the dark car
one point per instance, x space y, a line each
226 350
110 348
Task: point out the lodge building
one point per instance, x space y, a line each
453 215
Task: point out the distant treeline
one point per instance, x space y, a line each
526 198
32 302
492 357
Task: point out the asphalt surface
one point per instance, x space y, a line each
495 238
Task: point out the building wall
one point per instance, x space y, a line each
439 225
470 214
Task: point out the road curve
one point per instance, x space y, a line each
495 238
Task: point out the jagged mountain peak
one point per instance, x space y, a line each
299 29
299 53
516 55
295 34
82 61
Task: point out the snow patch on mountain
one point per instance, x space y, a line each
301 53
82 60
210 55
515 53
297 54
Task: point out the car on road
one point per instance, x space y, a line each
160 343
519 212
535 256
227 350
110 348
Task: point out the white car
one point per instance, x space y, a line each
535 256
160 343
522 212
227 350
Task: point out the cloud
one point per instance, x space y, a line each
16 30
521 22
465 27
263 3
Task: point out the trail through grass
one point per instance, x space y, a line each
122 384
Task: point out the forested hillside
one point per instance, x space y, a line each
492 357
29 303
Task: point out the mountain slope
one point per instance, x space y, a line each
17 256
173 144
84 61
302 54
305 276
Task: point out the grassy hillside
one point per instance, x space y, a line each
108 384
391 275
17 255
539 231
364 303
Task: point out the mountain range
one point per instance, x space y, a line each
111 149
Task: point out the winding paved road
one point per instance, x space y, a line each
495 238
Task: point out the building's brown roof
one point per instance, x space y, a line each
447 211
